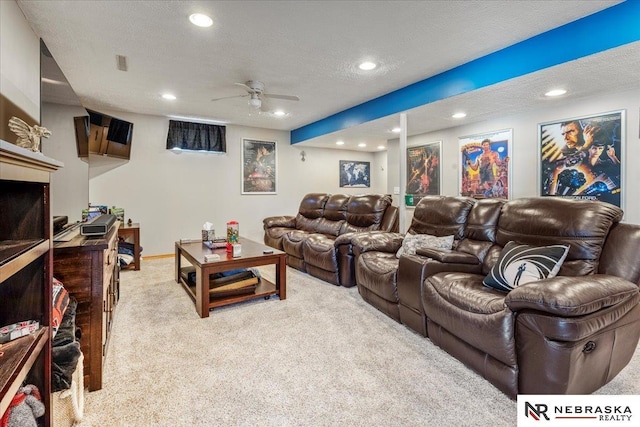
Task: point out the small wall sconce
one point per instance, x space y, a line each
302 154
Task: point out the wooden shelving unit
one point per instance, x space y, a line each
25 270
18 357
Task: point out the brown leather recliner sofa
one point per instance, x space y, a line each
318 239
376 266
569 334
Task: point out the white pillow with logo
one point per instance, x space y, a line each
521 264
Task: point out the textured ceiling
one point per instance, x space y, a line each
310 49
615 70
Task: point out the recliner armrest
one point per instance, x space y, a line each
344 239
448 256
571 296
414 269
280 221
381 241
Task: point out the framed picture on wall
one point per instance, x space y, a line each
581 158
355 173
484 164
423 171
259 167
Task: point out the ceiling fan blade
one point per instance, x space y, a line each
229 97
244 86
287 97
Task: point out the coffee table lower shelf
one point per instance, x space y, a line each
264 289
253 255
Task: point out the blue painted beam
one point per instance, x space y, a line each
610 28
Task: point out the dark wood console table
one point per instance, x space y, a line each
88 268
252 256
132 231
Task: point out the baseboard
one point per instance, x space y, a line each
148 257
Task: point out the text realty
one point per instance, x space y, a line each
606 413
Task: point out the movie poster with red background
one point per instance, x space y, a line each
485 169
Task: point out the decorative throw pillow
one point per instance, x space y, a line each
60 303
520 264
412 242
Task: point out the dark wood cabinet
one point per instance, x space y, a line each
88 267
25 270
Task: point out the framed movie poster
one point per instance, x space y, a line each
259 167
580 158
485 169
355 173
423 172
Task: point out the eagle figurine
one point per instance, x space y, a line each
28 136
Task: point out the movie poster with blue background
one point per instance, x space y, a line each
485 165
581 158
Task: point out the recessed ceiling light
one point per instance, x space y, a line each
459 115
279 113
396 130
367 66
201 20
340 143
168 96
362 145
381 147
555 92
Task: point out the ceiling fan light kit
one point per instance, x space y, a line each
255 101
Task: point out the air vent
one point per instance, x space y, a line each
121 62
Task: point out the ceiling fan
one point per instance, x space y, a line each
256 93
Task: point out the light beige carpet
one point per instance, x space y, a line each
322 357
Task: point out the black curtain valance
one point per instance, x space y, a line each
197 136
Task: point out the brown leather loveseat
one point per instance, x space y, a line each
318 239
568 334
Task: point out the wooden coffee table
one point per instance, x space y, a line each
251 256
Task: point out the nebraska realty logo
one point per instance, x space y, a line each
578 410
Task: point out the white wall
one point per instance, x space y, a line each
70 184
379 172
171 195
524 156
19 60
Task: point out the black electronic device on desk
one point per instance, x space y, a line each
99 226
59 222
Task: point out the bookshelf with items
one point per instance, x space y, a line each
25 273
